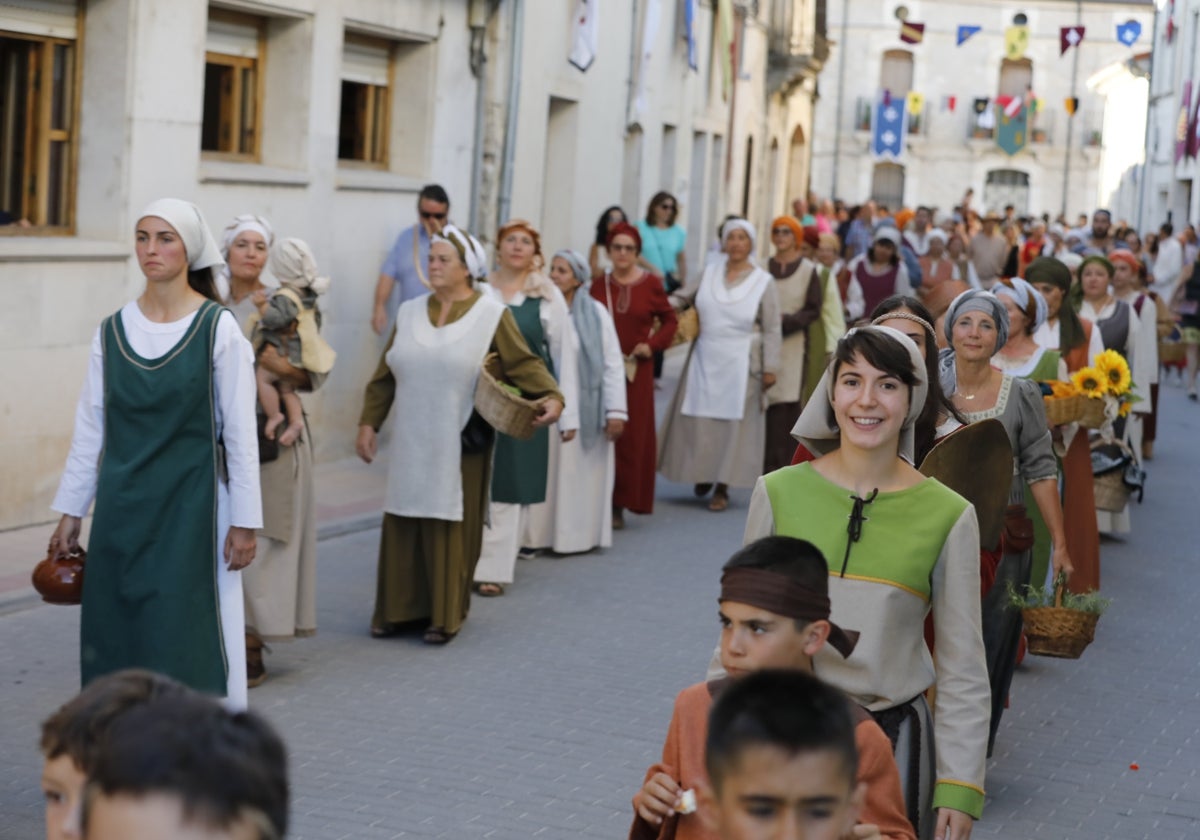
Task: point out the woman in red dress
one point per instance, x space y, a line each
635 299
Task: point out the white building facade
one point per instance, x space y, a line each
326 117
1168 190
954 142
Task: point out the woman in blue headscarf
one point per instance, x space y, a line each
577 515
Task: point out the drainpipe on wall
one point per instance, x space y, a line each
504 205
478 15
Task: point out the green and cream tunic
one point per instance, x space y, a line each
165 408
918 551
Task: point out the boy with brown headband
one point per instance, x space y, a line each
774 611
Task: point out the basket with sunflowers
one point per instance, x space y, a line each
1095 396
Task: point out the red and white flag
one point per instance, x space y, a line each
1010 104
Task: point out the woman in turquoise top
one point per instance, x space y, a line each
899 545
663 241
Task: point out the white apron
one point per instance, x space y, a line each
436 369
719 369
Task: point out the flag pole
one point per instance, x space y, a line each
1071 117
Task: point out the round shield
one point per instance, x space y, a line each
977 463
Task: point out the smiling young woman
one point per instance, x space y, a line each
856 503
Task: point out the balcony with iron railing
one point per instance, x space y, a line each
797 46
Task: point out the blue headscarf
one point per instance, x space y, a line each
591 347
972 300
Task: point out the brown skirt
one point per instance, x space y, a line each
426 565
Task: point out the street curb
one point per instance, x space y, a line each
23 599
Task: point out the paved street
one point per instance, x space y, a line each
539 720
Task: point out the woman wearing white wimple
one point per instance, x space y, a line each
577 515
715 430
169 403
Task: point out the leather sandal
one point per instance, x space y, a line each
256 671
437 636
718 502
487 590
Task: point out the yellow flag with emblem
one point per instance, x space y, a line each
1016 41
916 103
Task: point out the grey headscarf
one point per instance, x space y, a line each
820 437
972 300
591 347
1021 293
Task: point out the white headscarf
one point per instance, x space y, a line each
468 247
820 436
239 225
185 217
740 224
292 262
1020 293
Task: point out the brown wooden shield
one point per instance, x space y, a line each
977 463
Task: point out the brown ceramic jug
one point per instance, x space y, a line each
60 581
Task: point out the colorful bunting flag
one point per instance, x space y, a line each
1069 36
965 32
1010 104
689 28
1128 32
889 125
1071 105
949 103
915 103
912 33
1016 41
980 105
1169 29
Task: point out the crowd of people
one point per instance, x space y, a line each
825 378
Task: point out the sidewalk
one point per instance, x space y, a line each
349 498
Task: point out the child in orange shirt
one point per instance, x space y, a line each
774 610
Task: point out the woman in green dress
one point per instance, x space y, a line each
165 442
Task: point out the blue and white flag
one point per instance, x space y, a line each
1128 32
689 29
965 32
889 125
583 39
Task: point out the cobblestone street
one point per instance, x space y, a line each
540 719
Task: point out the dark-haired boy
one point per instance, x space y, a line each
774 610
72 735
782 761
188 769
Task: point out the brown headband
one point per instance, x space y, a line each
778 594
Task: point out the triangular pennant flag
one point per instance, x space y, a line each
912 33
915 103
980 105
1069 36
1128 32
951 102
583 40
1071 105
1016 41
965 32
1169 29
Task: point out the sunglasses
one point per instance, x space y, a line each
621 246
439 216
782 230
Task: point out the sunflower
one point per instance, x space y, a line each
1124 410
1113 368
1089 382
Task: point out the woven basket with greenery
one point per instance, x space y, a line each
501 404
1058 623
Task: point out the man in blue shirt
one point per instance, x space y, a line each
403 275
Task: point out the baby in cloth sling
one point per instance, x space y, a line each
289 324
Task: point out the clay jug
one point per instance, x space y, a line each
60 581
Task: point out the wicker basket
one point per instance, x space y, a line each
1063 410
505 411
1091 412
1111 493
688 328
1058 631
1171 352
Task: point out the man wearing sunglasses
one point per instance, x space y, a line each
403 275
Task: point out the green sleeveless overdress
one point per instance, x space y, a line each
150 594
519 467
